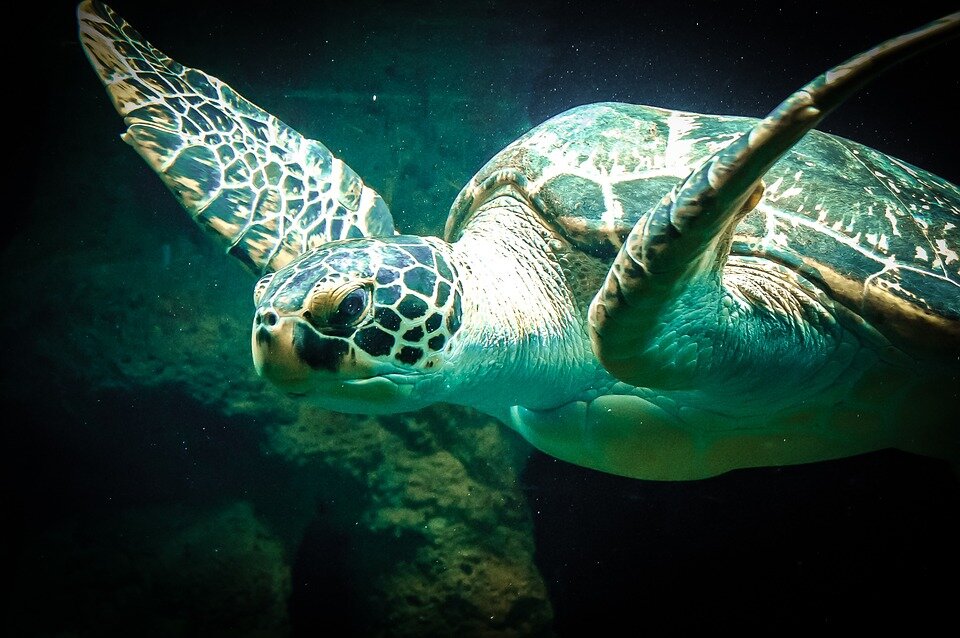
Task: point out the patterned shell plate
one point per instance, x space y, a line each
878 234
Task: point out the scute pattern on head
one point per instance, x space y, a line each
416 294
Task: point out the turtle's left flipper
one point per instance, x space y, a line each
688 234
264 190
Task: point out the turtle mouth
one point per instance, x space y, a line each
288 351
306 389
306 365
372 395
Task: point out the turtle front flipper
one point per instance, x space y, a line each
673 259
266 191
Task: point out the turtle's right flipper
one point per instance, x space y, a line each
268 192
686 236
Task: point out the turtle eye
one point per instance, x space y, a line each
350 309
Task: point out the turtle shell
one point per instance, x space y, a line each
879 235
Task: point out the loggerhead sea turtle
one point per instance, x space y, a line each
651 293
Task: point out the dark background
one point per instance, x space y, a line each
709 57
860 543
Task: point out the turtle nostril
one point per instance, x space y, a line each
270 318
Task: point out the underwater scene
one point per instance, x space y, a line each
167 475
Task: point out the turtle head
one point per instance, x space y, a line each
358 325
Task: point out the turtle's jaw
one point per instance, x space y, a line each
298 360
376 395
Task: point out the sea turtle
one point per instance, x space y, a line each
651 293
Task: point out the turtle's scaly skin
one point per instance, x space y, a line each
812 319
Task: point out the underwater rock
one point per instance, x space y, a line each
441 534
444 534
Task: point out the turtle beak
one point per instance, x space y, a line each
290 353
274 355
